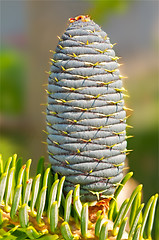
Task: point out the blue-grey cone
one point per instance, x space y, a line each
85 114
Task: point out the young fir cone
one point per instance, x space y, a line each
85 113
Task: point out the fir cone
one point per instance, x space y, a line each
86 118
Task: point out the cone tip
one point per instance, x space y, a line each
83 18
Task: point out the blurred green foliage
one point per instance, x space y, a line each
12 101
12 82
102 9
11 143
143 160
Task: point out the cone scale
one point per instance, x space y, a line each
85 114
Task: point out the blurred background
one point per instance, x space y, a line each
29 30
